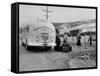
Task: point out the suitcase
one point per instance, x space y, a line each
66 47
58 48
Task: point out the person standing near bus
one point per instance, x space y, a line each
78 40
65 38
90 39
58 46
58 40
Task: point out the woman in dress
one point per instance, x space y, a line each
78 40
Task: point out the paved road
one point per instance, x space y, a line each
45 60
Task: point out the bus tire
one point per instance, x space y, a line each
48 48
27 46
23 44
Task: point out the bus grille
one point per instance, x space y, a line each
44 36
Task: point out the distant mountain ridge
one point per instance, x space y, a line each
76 23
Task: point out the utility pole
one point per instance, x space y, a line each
47 11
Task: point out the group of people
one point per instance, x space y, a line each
60 41
79 40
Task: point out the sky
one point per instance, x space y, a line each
30 13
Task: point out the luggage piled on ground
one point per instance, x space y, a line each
64 48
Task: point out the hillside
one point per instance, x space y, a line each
73 24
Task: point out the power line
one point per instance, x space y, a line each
47 11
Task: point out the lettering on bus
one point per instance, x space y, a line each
41 28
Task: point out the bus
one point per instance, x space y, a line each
39 35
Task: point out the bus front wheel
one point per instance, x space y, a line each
27 46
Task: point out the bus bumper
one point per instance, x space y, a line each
41 44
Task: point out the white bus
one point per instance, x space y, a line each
39 35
